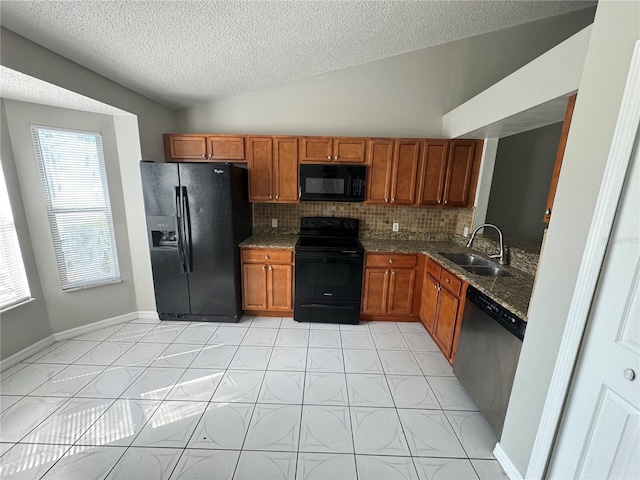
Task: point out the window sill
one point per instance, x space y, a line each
75 289
24 302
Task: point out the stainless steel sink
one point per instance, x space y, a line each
476 264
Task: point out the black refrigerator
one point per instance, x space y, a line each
197 214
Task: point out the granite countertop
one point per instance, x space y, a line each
270 241
512 292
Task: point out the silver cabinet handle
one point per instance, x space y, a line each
629 374
299 192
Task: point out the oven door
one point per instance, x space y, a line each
328 287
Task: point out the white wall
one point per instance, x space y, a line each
615 31
554 74
406 95
28 323
27 57
72 309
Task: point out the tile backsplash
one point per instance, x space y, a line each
375 220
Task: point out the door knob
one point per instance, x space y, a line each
629 374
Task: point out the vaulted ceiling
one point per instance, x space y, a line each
182 53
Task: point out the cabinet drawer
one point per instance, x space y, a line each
433 268
396 261
452 283
263 255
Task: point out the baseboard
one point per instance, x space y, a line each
505 462
73 332
26 353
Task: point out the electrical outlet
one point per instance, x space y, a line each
466 232
274 223
396 227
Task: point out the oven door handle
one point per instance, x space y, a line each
322 305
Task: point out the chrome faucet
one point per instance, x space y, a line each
499 256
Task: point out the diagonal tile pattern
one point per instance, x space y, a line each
264 398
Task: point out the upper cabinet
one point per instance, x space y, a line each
559 156
332 150
393 167
203 148
449 172
273 169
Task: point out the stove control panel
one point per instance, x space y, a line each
329 226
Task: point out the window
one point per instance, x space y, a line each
77 199
14 288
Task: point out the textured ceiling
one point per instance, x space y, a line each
183 53
23 88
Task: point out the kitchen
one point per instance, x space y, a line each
372 131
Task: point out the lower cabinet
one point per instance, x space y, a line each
390 282
267 281
442 305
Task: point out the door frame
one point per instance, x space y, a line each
626 130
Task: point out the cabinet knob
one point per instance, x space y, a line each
336 157
204 156
447 280
277 197
435 286
547 211
270 197
386 272
439 202
393 273
270 268
386 199
390 260
445 202
393 200
629 374
329 157
264 267
267 257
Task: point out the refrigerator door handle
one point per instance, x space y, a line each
186 228
178 205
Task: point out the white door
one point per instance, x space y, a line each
599 437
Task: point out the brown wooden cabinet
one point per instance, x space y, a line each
559 157
392 171
273 169
442 304
203 148
332 150
449 172
267 281
390 283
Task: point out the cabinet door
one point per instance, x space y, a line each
459 169
401 291
316 149
254 286
375 291
446 321
225 147
285 169
379 171
432 172
405 170
280 287
429 302
185 147
349 150
260 162
559 156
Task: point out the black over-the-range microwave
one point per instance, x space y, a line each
332 183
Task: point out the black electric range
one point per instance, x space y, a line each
329 261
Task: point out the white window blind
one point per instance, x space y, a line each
77 198
14 287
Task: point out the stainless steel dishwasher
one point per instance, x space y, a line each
487 356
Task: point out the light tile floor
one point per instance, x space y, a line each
267 398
